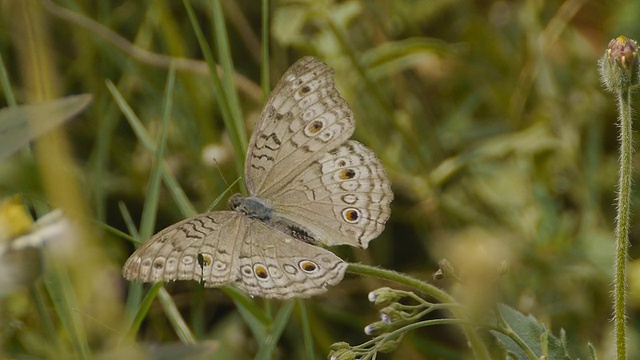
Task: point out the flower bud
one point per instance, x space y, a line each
619 66
376 328
341 345
384 296
390 314
446 270
438 275
342 354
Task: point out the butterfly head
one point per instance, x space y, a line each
235 201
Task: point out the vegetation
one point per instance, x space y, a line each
490 118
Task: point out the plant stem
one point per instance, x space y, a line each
479 350
622 223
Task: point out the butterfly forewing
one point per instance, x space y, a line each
304 118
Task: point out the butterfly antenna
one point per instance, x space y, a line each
229 186
226 191
217 165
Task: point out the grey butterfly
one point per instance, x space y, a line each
309 185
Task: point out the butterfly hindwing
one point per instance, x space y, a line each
181 251
343 198
228 248
273 265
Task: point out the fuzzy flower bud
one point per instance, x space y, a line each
341 345
376 328
390 314
341 351
619 67
446 270
343 354
384 296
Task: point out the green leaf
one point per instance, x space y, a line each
531 334
269 343
145 139
21 124
256 319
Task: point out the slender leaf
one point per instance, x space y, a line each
224 57
172 184
143 310
153 189
23 123
64 301
174 316
238 137
6 84
280 322
306 330
265 81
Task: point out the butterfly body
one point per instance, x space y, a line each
308 186
257 208
251 206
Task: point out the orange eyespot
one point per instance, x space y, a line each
204 260
351 215
261 271
308 266
315 127
347 174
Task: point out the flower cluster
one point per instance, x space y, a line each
395 320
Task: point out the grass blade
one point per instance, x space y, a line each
279 323
264 70
150 208
174 316
306 330
63 297
145 305
6 84
23 123
237 135
224 57
172 184
252 315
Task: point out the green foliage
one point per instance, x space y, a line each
529 332
489 117
21 124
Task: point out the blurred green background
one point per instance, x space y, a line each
489 116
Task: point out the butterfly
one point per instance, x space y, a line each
308 185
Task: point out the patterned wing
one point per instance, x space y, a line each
228 248
304 118
202 248
274 265
342 198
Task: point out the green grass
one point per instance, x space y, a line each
489 118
